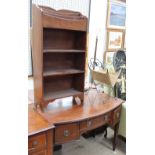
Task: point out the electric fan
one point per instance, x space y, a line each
119 63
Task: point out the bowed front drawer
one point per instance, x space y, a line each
37 143
116 116
66 132
94 123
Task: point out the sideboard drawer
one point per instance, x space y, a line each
67 132
37 141
116 116
94 123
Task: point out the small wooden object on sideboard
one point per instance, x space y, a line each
59 53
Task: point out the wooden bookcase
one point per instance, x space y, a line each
59 53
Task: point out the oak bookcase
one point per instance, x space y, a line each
58 54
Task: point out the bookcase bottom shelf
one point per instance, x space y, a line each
56 72
49 96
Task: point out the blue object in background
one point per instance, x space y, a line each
117 15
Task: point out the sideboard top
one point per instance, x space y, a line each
36 123
63 111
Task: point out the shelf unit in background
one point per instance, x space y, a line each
59 53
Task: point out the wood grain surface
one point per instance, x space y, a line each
36 123
64 111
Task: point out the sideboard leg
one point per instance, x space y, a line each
105 134
115 135
94 133
49 136
57 147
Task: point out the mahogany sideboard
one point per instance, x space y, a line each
64 122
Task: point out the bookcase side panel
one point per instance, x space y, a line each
37 53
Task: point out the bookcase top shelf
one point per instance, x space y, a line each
62 19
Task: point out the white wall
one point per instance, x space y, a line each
97 26
76 5
29 46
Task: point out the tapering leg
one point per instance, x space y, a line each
105 134
115 135
94 133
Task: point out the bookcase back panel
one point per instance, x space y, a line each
57 83
64 61
80 61
63 39
78 82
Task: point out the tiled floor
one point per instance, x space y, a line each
93 146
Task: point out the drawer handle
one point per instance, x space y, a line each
31 149
66 133
106 118
89 123
34 143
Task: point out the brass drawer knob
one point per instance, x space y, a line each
66 133
89 123
34 143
